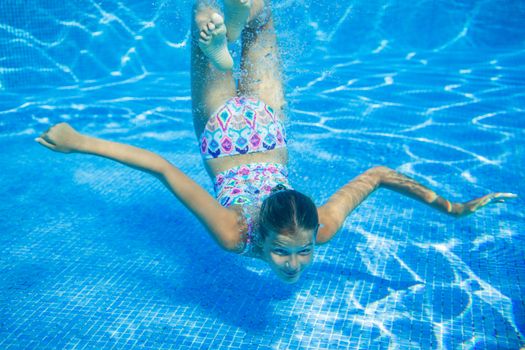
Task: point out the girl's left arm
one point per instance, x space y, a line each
334 212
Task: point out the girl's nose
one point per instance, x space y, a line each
293 262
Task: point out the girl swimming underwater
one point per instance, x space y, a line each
242 140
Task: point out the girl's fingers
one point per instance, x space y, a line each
498 197
45 143
46 138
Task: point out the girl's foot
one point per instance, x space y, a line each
212 41
236 13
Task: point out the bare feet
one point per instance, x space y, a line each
212 39
236 13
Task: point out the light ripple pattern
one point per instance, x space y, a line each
95 255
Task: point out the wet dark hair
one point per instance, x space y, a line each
285 211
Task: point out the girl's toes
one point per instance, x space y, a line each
219 30
204 35
217 19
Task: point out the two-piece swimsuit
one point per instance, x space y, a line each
245 125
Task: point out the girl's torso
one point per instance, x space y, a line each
244 189
219 165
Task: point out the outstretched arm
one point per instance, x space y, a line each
334 212
219 221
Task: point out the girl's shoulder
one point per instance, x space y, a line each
249 236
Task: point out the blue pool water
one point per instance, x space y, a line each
95 255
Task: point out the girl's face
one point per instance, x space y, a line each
289 256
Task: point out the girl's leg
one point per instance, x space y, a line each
260 63
210 87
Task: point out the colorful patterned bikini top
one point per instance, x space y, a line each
242 125
248 186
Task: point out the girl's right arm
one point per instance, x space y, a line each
221 222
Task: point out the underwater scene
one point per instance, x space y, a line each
96 255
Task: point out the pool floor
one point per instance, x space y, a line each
95 255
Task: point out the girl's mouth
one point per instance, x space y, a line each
290 274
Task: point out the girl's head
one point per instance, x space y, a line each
288 227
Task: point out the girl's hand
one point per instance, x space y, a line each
61 138
473 205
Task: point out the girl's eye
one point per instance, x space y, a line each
305 252
279 252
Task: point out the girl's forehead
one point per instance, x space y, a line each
297 238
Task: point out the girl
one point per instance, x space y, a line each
242 140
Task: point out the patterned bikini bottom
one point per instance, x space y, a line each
242 125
